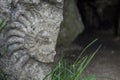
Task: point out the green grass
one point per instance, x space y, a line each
2 24
65 71
3 74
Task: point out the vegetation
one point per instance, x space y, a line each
2 24
65 71
3 74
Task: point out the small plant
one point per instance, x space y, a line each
2 24
3 74
65 71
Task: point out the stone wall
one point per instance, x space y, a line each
72 24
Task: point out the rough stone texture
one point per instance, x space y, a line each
29 36
72 24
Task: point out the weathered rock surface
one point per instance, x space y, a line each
72 24
29 36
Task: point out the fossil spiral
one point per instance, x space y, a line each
29 37
26 34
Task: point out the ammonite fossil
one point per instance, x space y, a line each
29 36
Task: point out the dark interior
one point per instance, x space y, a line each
98 16
101 21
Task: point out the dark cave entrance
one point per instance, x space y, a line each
99 16
95 17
